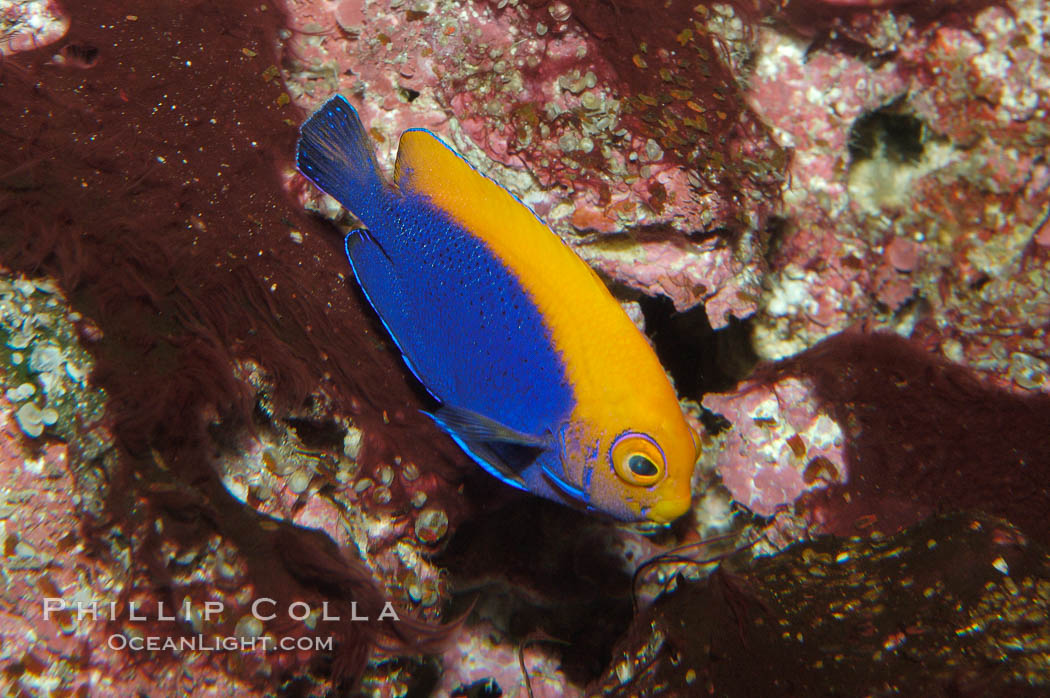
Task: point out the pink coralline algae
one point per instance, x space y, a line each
892 279
917 189
911 434
687 273
75 604
44 559
387 515
780 444
73 583
479 655
606 151
31 24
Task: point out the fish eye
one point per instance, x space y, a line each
637 459
641 466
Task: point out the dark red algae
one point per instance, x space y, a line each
923 436
147 177
673 74
955 606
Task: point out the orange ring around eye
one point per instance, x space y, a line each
637 459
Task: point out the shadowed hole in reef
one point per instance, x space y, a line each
318 434
884 133
700 358
523 574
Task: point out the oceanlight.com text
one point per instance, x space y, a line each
218 643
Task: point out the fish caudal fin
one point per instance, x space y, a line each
335 153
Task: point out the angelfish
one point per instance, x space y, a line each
540 375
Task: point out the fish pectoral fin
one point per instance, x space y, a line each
477 427
501 451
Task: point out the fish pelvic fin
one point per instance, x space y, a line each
336 153
477 427
498 449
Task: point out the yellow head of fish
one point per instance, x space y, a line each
642 451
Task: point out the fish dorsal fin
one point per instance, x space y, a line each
426 166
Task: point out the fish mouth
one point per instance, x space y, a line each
667 510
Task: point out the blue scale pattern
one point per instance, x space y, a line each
463 322
465 325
